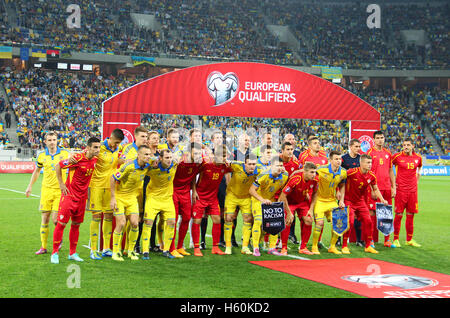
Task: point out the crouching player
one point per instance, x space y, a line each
263 190
358 181
301 190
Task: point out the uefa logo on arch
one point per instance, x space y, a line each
366 143
222 87
128 137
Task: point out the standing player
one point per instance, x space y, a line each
124 200
351 160
382 167
99 194
238 198
408 164
187 170
331 178
153 144
173 143
129 153
216 143
297 196
358 182
73 197
263 190
50 191
291 139
313 154
264 160
290 164
205 197
160 200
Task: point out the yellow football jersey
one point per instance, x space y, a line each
268 185
106 165
329 181
48 162
130 177
263 166
177 150
240 181
161 181
129 151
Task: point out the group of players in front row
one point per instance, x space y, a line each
108 178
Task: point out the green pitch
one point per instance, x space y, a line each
230 276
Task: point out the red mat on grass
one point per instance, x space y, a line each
367 277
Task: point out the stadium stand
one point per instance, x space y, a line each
331 33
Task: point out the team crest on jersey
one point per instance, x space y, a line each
366 143
221 87
387 156
416 161
288 189
118 175
66 162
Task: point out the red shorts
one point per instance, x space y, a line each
387 195
406 200
183 205
202 206
301 209
70 208
359 210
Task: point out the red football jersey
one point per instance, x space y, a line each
320 160
381 164
79 175
297 188
211 176
291 165
357 185
184 175
406 167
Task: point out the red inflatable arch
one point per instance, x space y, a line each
240 90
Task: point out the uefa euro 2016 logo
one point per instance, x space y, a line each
222 87
366 143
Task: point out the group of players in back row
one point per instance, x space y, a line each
134 183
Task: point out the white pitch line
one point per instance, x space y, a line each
18 198
298 257
33 195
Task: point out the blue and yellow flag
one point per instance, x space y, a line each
340 220
5 52
38 52
138 60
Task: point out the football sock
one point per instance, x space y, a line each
117 241
107 232
228 229
44 235
73 238
246 232
195 232
397 224
146 233
57 236
169 231
94 231
409 224
132 238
